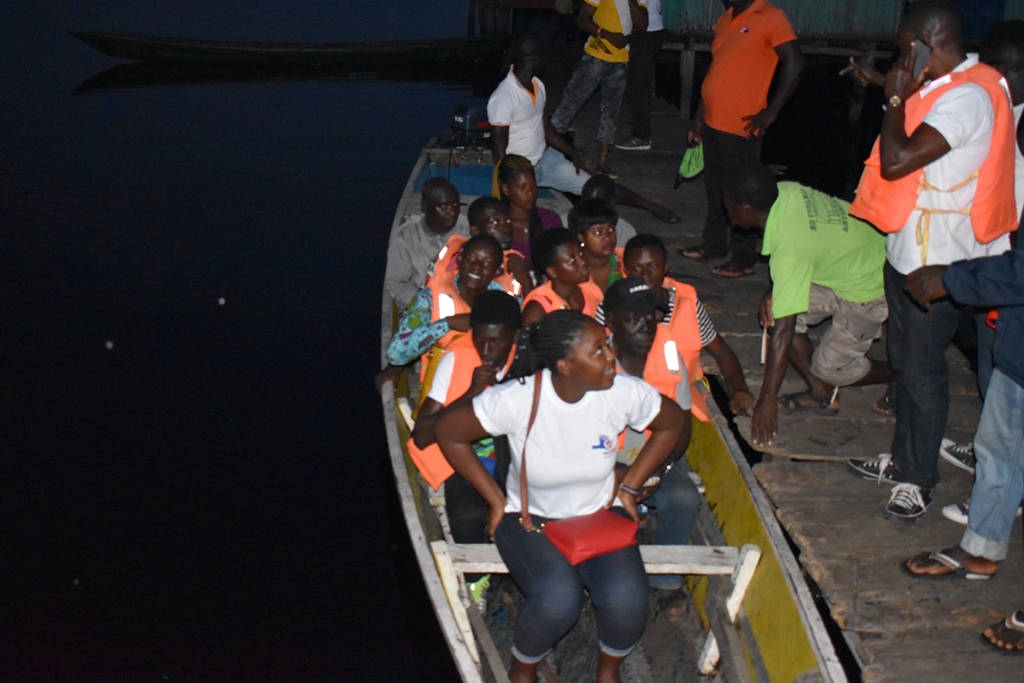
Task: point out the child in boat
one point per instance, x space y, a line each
416 243
687 325
439 313
593 221
470 365
557 254
567 371
489 216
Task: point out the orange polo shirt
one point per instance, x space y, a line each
743 62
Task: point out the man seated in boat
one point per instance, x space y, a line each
439 313
557 254
519 125
686 325
489 216
629 309
824 264
417 242
471 364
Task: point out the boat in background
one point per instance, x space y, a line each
758 614
368 54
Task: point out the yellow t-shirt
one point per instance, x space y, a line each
613 16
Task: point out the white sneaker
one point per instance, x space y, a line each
958 454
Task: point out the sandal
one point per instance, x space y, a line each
698 253
806 402
885 405
732 270
1012 626
949 567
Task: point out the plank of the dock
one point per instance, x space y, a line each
900 628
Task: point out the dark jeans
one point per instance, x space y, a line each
554 591
467 510
643 51
724 153
916 343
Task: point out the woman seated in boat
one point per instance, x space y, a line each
583 404
439 313
517 189
593 222
558 255
489 216
470 365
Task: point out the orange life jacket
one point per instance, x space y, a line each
430 461
550 301
681 337
446 301
888 203
445 267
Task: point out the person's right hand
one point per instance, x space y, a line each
764 424
865 74
518 268
389 374
577 161
693 136
483 377
925 285
458 322
616 39
764 311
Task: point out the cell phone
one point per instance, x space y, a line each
922 54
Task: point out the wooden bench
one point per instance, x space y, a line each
454 560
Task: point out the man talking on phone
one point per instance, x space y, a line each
939 181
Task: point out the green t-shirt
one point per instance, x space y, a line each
812 238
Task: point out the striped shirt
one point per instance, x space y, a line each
704 324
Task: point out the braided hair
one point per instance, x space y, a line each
544 343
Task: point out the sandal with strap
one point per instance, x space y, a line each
806 402
948 567
1007 635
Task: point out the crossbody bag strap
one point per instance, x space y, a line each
524 501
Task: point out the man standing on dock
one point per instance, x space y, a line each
940 181
751 38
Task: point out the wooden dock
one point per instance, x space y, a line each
896 628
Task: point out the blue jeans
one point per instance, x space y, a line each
555 171
554 591
677 503
588 76
916 342
999 474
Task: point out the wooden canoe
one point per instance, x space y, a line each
761 623
363 54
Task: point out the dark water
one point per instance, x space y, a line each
190 489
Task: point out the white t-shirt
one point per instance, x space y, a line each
512 105
443 378
654 20
572 447
1018 162
964 117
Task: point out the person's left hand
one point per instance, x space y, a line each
629 504
517 266
740 402
616 39
759 122
495 514
459 322
925 285
389 374
764 424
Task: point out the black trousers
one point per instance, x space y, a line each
724 154
643 51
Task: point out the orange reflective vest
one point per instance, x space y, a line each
550 301
681 337
444 266
430 461
887 204
446 302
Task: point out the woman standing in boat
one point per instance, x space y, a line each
582 406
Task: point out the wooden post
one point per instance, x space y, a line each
686 61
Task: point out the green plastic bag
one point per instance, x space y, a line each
693 162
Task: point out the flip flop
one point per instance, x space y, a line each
884 406
698 253
954 568
792 403
731 270
1013 623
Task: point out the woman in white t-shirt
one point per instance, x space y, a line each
583 406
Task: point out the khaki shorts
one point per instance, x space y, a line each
841 357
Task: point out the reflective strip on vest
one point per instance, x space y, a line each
671 356
445 306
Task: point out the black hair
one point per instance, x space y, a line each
544 343
495 307
544 246
591 212
599 186
929 15
434 185
1004 44
517 48
480 206
645 241
509 169
484 238
754 185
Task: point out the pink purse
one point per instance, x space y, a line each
582 537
